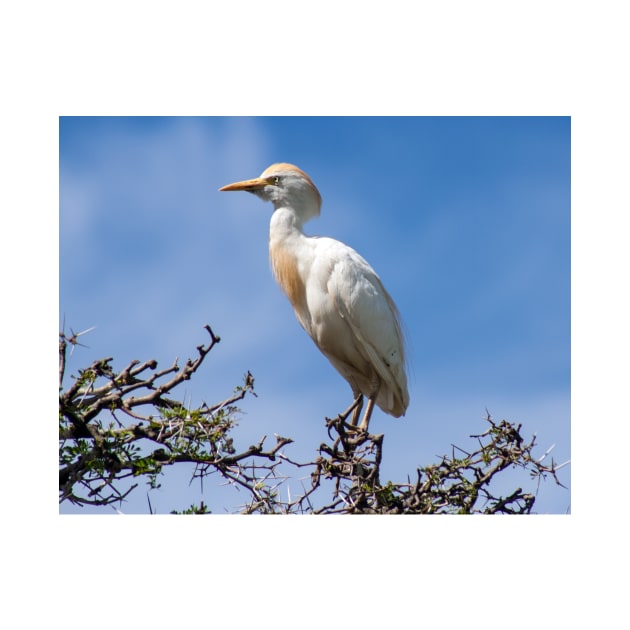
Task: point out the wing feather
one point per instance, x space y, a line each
374 322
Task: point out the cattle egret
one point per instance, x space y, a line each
337 297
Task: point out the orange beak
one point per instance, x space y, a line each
248 184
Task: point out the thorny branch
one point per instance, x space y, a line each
458 484
149 430
95 455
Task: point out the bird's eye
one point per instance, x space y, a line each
276 180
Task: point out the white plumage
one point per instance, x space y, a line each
337 297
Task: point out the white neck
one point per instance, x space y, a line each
284 225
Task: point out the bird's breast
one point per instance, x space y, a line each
284 264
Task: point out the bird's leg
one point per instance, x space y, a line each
355 408
368 414
370 406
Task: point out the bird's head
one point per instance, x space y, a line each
286 186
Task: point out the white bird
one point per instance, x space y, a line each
337 297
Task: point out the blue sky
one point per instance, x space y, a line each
466 220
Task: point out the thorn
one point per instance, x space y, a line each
546 453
